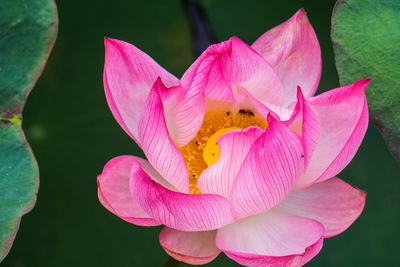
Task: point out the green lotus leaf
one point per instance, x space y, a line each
28 29
366 41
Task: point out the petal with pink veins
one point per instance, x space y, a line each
269 171
292 48
234 146
129 75
272 238
191 101
334 203
157 144
191 247
306 123
245 68
114 192
190 108
343 113
217 74
177 210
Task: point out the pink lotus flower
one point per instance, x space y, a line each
242 157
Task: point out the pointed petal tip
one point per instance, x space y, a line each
364 82
108 40
298 62
361 85
111 42
158 84
235 39
271 119
362 193
301 12
299 93
301 16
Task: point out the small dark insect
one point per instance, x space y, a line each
197 143
228 113
246 112
302 156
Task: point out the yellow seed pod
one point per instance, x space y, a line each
211 150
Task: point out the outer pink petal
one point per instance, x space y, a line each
129 75
334 203
305 122
190 247
292 48
178 210
269 171
217 75
343 114
234 146
114 193
271 238
158 145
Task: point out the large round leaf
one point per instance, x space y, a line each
27 32
366 41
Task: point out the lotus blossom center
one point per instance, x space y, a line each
203 150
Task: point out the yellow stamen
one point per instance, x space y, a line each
203 151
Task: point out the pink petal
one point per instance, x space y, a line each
190 247
234 146
191 102
189 114
272 238
306 123
168 98
271 261
343 113
245 68
129 75
158 145
269 171
334 203
218 74
114 193
292 48
178 210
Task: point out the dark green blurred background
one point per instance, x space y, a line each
73 134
